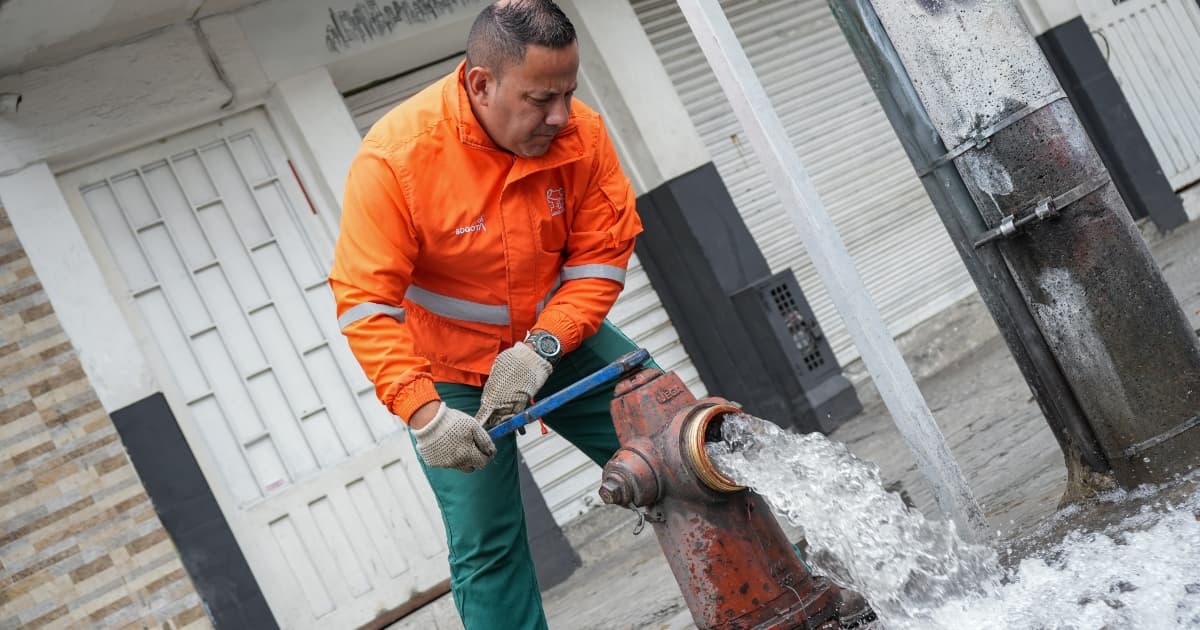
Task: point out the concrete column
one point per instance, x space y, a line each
71 276
320 128
1043 15
1122 341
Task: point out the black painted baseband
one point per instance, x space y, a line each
704 264
1094 92
189 512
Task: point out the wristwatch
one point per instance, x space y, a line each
546 345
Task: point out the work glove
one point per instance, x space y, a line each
454 439
517 374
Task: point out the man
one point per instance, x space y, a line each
485 234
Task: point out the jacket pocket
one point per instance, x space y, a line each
552 233
444 342
621 222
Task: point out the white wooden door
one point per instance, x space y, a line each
216 256
1153 48
567 478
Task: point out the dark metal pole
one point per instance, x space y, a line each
1088 318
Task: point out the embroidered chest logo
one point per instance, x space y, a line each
477 226
557 200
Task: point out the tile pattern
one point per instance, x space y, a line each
80 543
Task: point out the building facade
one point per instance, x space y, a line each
186 438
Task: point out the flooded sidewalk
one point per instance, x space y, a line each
984 408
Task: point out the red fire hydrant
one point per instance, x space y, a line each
732 560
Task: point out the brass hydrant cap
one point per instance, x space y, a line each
693 443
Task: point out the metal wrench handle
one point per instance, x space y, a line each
611 372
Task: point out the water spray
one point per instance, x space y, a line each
732 560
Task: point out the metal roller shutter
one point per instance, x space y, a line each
858 166
567 478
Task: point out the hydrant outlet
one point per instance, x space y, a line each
702 427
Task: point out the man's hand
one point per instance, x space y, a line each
452 439
424 414
517 374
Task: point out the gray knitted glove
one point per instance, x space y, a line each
517 374
454 440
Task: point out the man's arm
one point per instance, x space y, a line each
599 243
372 269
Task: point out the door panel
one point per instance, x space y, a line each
1153 48
205 241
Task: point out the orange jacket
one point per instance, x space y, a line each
452 249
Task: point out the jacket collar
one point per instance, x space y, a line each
567 146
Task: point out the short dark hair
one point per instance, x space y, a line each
501 34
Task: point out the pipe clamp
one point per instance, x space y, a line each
983 137
1045 209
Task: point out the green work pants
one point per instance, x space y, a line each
491 572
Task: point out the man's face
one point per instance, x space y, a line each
530 103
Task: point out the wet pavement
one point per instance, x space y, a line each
985 410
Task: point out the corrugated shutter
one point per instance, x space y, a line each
567 478
858 166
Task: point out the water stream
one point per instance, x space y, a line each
1143 572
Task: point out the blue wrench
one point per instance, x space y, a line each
627 363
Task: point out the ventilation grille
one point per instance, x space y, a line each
804 333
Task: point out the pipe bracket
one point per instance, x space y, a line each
982 137
1044 209
1145 445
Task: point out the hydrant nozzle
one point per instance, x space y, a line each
702 427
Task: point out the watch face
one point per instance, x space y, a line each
548 345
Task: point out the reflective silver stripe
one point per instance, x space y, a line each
498 314
367 309
455 308
607 272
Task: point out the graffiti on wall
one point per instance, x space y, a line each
371 19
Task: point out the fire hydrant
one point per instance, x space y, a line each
733 562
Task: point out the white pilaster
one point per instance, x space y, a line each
1043 15
72 279
317 124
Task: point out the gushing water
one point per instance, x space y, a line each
918 573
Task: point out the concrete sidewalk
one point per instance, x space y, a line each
983 406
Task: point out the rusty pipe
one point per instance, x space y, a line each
1112 325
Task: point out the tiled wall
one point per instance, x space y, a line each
80 543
